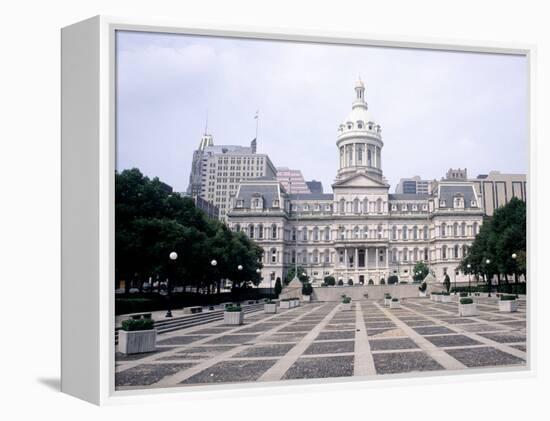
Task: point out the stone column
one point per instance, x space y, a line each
345 257
376 253
356 259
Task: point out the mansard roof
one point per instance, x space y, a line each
311 196
408 196
448 193
269 192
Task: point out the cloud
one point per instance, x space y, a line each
437 109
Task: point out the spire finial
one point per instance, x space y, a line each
206 123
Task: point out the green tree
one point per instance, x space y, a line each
420 271
447 282
278 286
302 275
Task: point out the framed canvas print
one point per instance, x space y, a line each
244 209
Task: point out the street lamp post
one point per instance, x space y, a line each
469 284
456 274
514 259
489 281
173 257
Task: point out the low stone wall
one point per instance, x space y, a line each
358 292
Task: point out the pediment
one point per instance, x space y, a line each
360 180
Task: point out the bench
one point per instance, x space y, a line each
192 310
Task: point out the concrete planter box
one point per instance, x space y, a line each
445 298
465 310
422 294
387 301
395 304
437 298
233 318
284 304
270 308
306 298
509 306
137 341
483 294
346 306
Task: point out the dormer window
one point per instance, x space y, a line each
394 208
458 202
349 126
306 207
414 208
404 208
257 203
473 203
424 207
276 203
317 207
359 125
442 203
240 203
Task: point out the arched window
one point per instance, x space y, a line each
394 255
304 234
443 230
444 252
315 256
463 229
260 231
238 228
455 255
379 206
251 230
274 231
356 232
425 232
366 231
360 150
342 233
315 234
293 234
426 253
356 206
365 205
369 158
405 254
415 255
327 234
455 229
342 206
380 231
304 256
293 256
273 255
394 233
415 234
475 229
327 255
404 232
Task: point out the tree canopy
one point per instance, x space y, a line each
151 222
500 236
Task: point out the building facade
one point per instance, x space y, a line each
496 189
217 170
360 231
292 180
413 185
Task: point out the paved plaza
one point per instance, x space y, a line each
321 340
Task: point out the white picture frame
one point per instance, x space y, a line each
88 162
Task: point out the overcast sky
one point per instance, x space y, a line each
437 109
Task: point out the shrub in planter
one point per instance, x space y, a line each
350 282
233 315
507 304
346 303
270 307
445 297
387 299
330 281
284 303
422 289
395 303
467 307
340 282
137 336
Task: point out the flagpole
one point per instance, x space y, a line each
257 117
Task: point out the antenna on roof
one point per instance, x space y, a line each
206 123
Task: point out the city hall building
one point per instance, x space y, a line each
360 231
